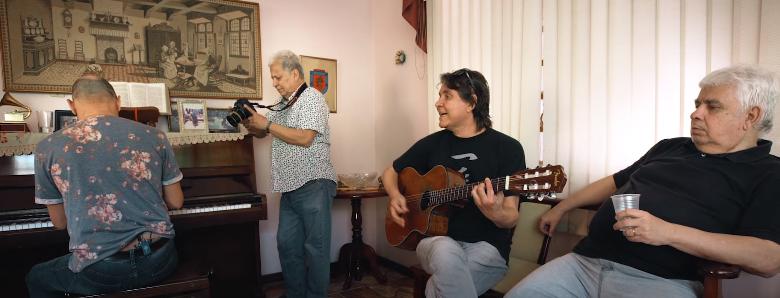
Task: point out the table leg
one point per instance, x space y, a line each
353 254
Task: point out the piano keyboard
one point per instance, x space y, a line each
26 226
39 224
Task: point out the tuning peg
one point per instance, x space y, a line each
553 196
531 197
540 198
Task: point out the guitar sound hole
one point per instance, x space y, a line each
425 201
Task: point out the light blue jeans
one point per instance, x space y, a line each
574 275
459 269
54 279
303 238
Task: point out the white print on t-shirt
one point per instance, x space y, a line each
470 156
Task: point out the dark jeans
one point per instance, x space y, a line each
303 238
53 278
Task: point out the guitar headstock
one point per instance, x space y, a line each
538 181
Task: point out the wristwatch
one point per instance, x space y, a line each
268 127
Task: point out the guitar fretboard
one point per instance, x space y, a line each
443 196
521 184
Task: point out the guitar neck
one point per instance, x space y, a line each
447 195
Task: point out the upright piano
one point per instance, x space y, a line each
217 230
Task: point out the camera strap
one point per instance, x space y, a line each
291 101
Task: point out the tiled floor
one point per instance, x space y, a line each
397 285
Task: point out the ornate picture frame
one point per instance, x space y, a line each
197 48
321 73
193 116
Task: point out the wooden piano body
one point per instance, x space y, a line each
216 230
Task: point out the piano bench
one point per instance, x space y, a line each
184 282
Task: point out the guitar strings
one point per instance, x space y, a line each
453 190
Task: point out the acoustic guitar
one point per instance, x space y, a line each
427 197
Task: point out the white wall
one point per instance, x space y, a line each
401 106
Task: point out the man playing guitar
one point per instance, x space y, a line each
472 257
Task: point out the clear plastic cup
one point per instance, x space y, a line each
625 201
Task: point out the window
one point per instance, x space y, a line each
205 35
240 35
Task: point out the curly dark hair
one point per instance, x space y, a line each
469 82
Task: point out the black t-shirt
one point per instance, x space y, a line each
490 154
734 193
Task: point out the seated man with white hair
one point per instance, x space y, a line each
712 196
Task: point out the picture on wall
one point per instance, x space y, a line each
320 73
197 48
192 115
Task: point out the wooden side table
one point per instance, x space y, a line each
356 255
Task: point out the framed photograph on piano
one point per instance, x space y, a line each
63 118
218 121
192 116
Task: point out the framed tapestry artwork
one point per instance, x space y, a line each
192 115
63 118
197 48
218 123
320 73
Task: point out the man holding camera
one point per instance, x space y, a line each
302 172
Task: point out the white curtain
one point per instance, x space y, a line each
500 39
618 75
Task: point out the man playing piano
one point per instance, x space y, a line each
303 173
110 181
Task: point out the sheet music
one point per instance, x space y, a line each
137 93
143 95
120 88
157 96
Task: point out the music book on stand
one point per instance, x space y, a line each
134 95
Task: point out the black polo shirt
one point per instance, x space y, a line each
735 193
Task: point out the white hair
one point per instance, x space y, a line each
288 60
754 87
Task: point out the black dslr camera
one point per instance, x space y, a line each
239 112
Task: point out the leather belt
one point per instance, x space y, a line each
123 255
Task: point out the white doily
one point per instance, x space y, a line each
178 139
19 143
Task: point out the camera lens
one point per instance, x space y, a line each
239 113
234 118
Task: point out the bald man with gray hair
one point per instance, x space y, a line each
110 182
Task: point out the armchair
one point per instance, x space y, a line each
713 273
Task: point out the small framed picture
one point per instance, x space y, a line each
192 115
320 73
173 118
218 123
63 118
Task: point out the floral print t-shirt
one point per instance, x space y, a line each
109 173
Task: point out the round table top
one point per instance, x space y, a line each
351 193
